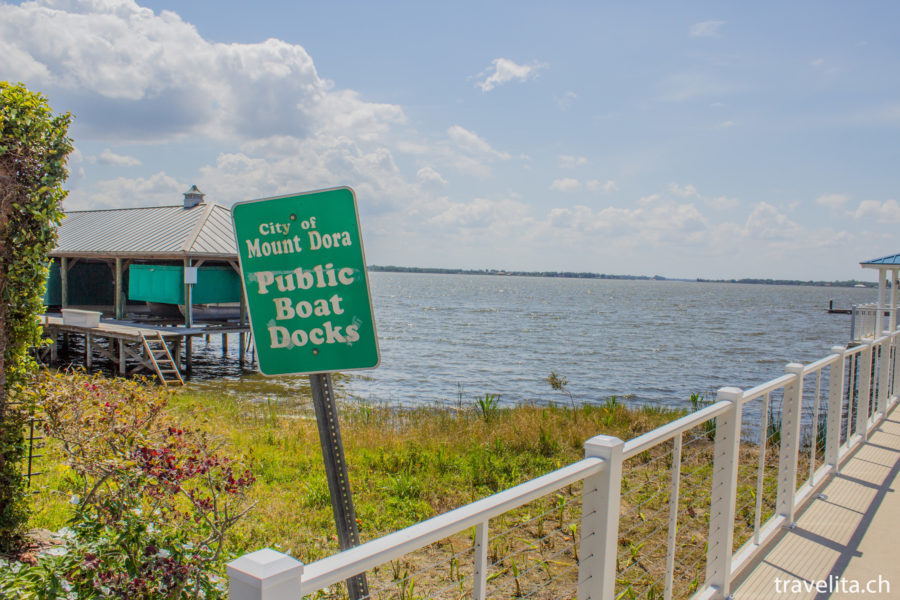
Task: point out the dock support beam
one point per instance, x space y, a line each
120 305
54 346
64 292
188 321
64 281
119 312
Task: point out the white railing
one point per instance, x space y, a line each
734 473
864 320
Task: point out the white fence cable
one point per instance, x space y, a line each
527 542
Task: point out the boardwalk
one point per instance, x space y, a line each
125 339
848 535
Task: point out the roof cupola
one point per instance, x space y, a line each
193 197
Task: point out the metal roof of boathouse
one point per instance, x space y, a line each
203 230
892 260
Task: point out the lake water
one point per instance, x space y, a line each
446 338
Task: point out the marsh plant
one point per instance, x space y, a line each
699 401
559 384
488 406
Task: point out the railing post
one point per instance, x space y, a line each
895 344
879 315
864 385
264 575
884 371
726 453
600 521
480 566
835 407
790 444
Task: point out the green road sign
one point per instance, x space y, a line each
304 273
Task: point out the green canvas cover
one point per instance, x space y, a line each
165 284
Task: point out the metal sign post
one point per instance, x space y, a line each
336 472
304 275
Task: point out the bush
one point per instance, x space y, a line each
33 151
152 501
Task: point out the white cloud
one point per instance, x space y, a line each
688 191
471 165
832 201
315 163
817 62
566 100
722 202
466 151
416 148
567 161
768 223
75 164
882 212
479 213
725 124
608 186
156 190
706 29
504 70
428 176
131 74
108 157
473 143
566 184
659 222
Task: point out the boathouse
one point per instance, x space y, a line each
152 265
888 268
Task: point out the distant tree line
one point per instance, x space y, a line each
566 274
846 283
585 275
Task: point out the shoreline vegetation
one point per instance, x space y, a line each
588 275
408 464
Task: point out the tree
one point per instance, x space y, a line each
33 151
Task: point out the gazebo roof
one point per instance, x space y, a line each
885 262
161 232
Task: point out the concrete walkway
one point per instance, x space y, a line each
850 535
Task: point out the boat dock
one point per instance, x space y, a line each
164 275
127 342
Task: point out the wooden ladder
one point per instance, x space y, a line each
158 352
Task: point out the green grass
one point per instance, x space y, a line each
405 464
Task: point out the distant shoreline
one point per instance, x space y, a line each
586 275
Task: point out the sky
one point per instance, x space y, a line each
682 139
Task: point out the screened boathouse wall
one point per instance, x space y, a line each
90 284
